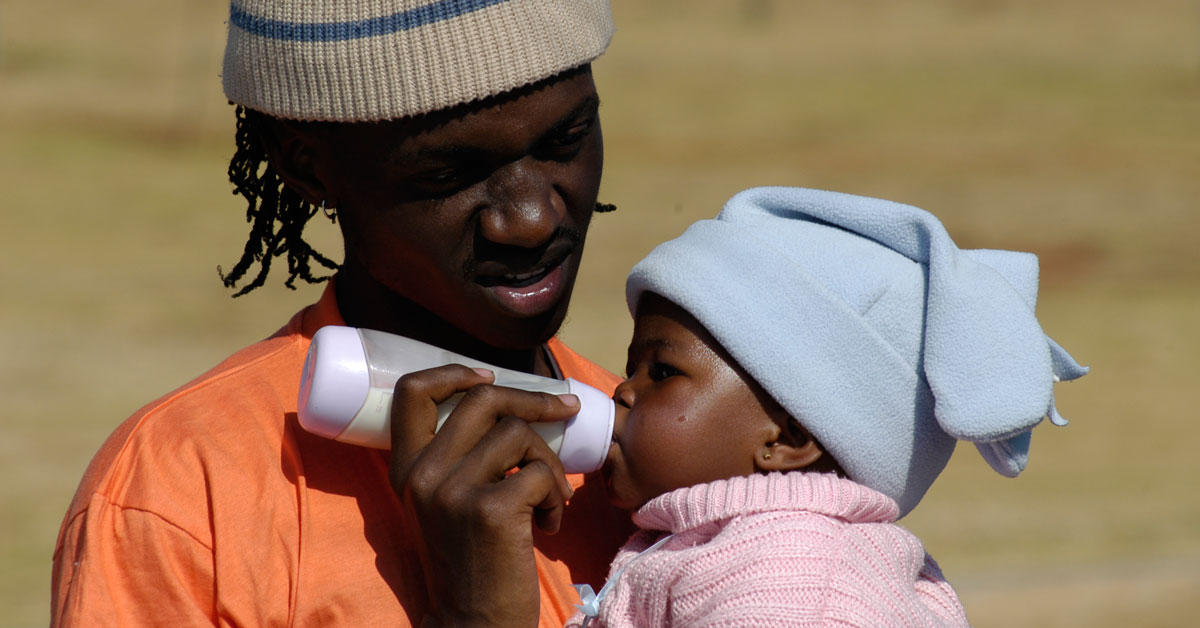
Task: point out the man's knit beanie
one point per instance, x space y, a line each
368 60
872 328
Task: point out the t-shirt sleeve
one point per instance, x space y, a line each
129 567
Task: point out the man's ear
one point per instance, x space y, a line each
792 449
291 151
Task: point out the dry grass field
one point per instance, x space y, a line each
1065 127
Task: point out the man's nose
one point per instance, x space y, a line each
524 208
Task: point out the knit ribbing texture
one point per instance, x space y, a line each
795 549
370 60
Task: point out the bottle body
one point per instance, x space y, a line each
350 374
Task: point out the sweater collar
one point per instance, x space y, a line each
819 493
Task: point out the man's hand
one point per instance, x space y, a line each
475 516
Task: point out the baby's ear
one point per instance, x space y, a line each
793 449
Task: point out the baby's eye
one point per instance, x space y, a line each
659 371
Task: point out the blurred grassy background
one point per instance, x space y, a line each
1064 127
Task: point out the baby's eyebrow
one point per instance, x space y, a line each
643 345
658 342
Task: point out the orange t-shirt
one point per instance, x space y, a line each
212 506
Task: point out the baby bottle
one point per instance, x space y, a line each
350 373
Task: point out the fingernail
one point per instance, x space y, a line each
570 399
485 373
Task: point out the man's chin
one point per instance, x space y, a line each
522 334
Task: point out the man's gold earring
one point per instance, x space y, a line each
767 455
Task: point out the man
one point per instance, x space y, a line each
458 145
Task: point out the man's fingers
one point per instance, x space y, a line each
414 411
417 395
485 436
511 444
483 407
537 485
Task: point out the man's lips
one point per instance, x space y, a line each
517 279
535 296
529 291
516 268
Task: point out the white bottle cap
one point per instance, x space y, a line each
588 434
335 381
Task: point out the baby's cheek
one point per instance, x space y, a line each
642 455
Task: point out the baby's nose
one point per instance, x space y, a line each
620 416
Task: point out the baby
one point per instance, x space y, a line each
800 371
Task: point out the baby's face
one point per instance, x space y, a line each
685 415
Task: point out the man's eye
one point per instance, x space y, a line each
438 182
439 177
660 371
573 135
567 142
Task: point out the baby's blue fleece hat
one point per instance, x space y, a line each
865 321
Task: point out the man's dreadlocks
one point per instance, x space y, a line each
268 202
276 212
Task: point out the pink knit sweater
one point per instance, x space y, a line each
796 549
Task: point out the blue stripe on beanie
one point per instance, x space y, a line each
372 60
358 29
